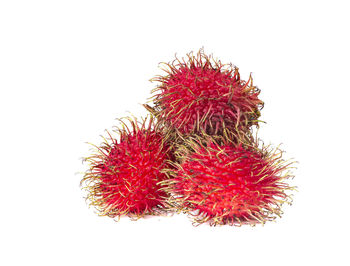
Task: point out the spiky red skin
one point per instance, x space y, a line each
127 173
197 96
229 185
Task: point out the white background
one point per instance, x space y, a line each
69 68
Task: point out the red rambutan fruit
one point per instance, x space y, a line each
226 183
124 175
202 94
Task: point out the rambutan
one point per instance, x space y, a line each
195 153
202 94
221 182
124 175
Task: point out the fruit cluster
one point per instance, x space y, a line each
194 153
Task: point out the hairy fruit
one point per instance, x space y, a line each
124 175
201 94
226 183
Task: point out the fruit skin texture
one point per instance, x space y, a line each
123 176
226 183
201 94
